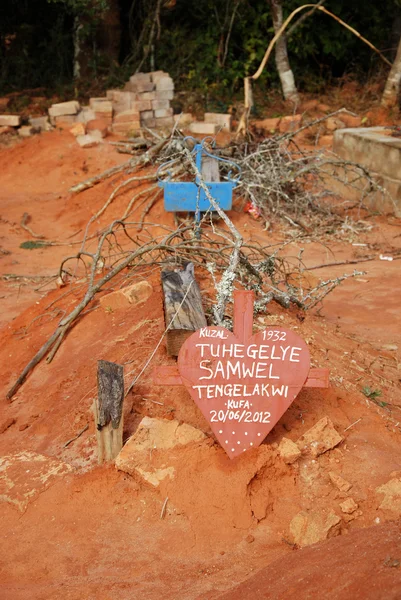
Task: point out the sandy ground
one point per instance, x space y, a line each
92 532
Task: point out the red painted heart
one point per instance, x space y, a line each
243 383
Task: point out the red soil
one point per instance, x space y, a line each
97 533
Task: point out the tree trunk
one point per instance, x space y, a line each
392 87
102 39
283 64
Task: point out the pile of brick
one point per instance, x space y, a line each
145 100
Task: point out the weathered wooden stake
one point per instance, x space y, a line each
190 315
108 410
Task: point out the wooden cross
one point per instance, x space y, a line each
243 382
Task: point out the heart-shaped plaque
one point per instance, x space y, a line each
243 383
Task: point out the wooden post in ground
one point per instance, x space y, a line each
182 307
108 410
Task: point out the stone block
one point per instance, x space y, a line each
125 128
220 119
156 75
149 96
64 108
89 140
164 122
307 528
147 114
78 129
142 77
159 437
85 115
101 106
126 117
148 122
320 438
204 128
164 112
164 95
142 105
98 125
10 120
121 101
40 123
160 104
105 117
64 120
381 154
289 451
165 84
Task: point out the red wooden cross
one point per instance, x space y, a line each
243 382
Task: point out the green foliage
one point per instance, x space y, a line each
33 245
373 395
197 41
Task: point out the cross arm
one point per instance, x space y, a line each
170 375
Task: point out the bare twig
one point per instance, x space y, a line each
76 436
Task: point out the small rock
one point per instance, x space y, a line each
250 538
348 506
320 438
98 125
26 131
23 426
7 424
309 528
78 129
323 107
340 483
289 451
133 294
89 140
392 495
152 436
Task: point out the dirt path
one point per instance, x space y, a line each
96 533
